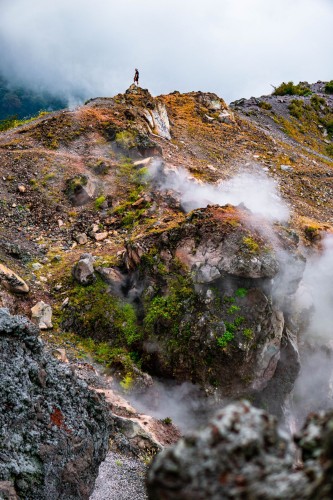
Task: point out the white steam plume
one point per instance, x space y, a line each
315 294
314 386
255 190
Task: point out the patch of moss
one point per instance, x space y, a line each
94 312
75 183
251 244
99 202
166 311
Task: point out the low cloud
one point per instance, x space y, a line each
81 49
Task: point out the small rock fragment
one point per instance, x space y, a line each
12 281
42 314
81 238
83 270
101 236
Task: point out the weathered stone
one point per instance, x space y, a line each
241 453
101 236
81 238
21 188
81 190
42 314
12 281
60 354
83 270
54 431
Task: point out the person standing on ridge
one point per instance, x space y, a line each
136 77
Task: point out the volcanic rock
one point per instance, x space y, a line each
53 430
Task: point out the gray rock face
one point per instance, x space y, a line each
240 454
53 430
83 271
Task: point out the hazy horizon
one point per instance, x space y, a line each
79 49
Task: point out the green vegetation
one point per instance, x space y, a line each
265 105
132 181
167 420
317 102
12 122
225 339
329 87
168 310
126 139
24 103
233 309
93 309
291 89
248 333
99 202
241 292
329 150
296 108
74 184
251 244
127 382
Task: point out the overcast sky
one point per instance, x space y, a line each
236 48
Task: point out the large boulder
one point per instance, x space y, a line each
206 292
53 430
241 453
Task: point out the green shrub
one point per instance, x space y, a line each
329 150
328 124
296 108
291 89
329 87
241 292
265 105
317 101
99 202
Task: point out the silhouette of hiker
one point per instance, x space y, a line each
136 77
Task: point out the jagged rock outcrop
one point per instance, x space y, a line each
208 310
53 430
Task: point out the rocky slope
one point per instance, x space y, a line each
168 237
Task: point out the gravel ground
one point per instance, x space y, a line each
120 478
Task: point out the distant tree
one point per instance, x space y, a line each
23 103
